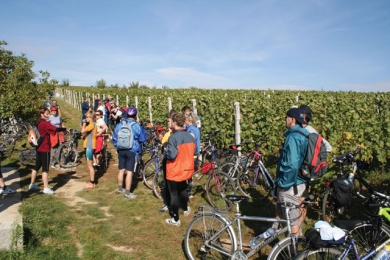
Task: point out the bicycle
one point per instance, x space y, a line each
218 184
331 208
253 181
212 234
363 240
27 156
153 165
68 151
104 155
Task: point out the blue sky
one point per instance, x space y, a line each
247 44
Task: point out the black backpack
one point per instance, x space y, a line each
314 165
342 191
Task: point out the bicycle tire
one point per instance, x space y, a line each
149 171
21 129
201 229
67 155
24 161
104 159
217 187
330 210
250 187
323 253
283 251
229 169
159 184
365 234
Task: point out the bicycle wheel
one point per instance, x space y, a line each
67 155
149 171
330 210
283 250
26 159
252 186
104 159
159 184
218 186
330 253
228 168
367 236
200 230
21 129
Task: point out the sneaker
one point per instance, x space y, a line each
34 187
171 221
190 196
89 185
7 190
187 212
163 209
48 191
121 191
131 196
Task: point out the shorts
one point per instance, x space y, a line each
89 153
289 196
42 159
126 160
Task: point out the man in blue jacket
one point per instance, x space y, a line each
290 187
128 157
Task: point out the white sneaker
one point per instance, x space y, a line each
48 191
6 190
187 212
171 221
131 196
34 187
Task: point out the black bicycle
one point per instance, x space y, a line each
68 151
338 201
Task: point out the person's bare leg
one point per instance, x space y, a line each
91 171
302 214
120 177
33 176
44 180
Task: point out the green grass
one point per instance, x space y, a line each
102 225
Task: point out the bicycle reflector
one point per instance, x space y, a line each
327 183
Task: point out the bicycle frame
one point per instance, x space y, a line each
382 212
237 218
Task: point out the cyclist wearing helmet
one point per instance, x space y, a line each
128 157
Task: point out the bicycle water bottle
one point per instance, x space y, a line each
260 238
384 254
350 176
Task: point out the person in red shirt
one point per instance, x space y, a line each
43 151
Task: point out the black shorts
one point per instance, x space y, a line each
42 160
126 160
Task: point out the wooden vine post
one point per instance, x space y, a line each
194 106
150 110
169 104
237 127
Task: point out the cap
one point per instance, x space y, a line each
297 114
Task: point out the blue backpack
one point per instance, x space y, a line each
125 135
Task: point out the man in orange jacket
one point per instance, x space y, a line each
179 154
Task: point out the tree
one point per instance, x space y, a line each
65 82
19 94
101 84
